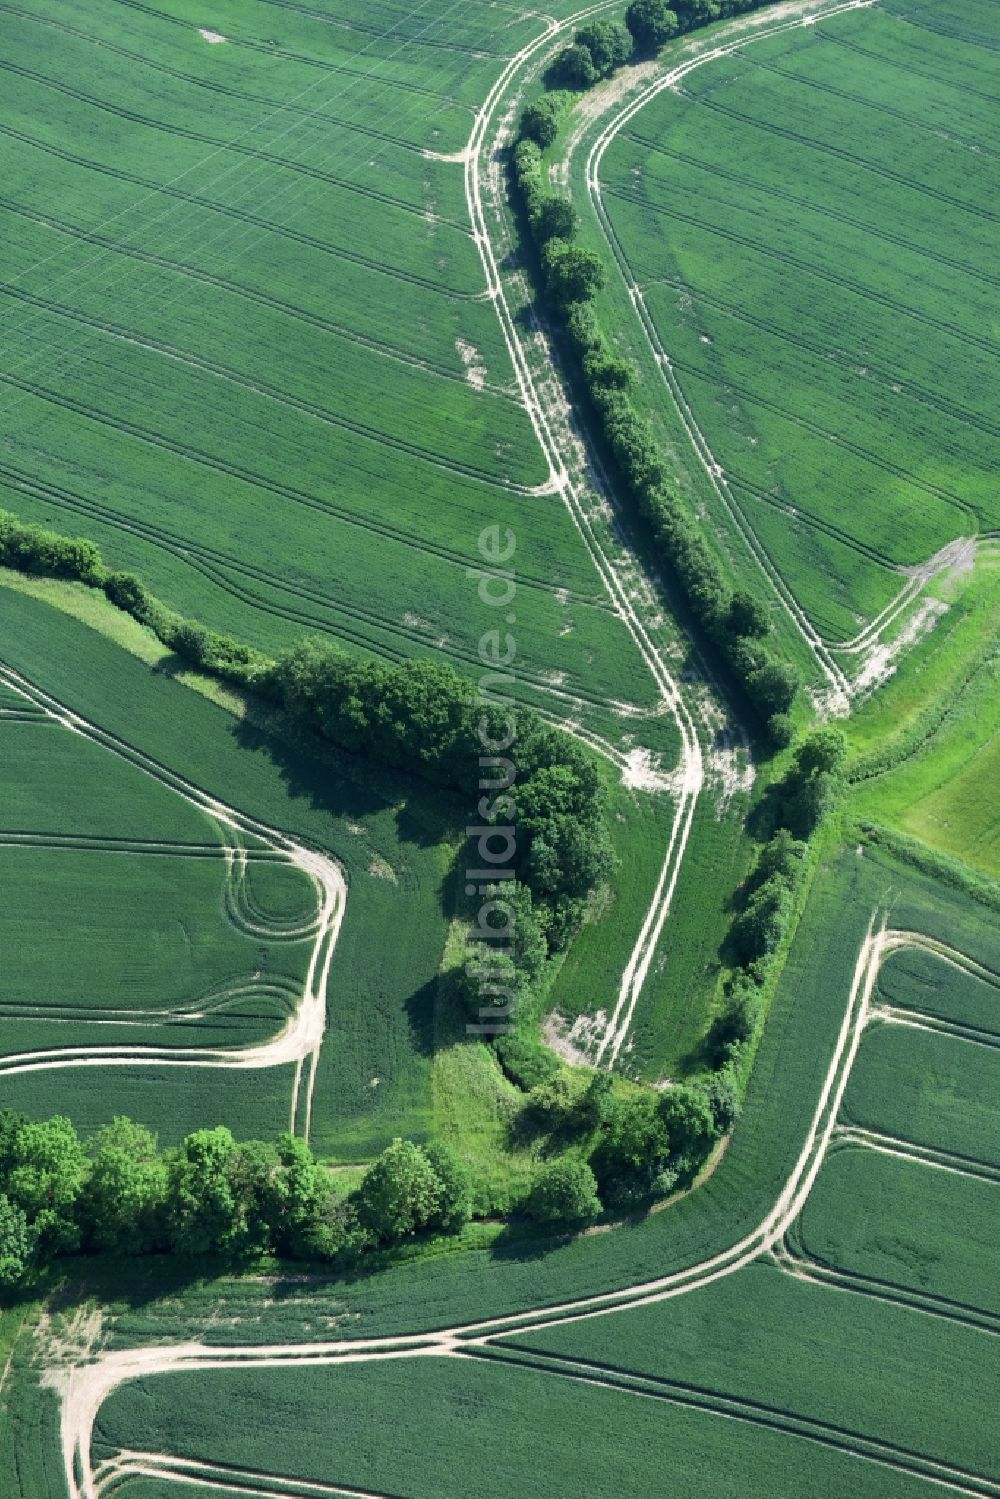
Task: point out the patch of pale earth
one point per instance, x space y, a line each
642 772
575 1043
382 870
212 37
475 369
553 678
355 828
731 770
959 556
445 155
416 621
70 1339
880 662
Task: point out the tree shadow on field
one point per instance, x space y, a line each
348 786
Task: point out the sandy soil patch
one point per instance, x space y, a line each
212 37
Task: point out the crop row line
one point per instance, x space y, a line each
821 210
795 1261
925 1155
825 148
240 215
769 252
906 67
859 451
211 85
348 184
740 1408
259 387
839 357
214 565
269 49
714 471
913 122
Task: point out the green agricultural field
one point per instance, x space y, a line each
808 221
284 337
189 951
200 243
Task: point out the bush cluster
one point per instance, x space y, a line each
424 717
809 789
736 622
420 717
211 1196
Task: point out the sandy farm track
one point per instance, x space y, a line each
300 1039
83 1389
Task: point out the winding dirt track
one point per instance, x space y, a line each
300 1039
83 1389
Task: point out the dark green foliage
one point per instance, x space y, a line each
206 1211
759 927
747 615
633 1151
651 23
822 750
122 1204
723 1099
780 730
128 592
16 1244
772 686
736 622
525 1062
566 1192
571 273
455 1202
554 218
42 1172
574 69
399 1193
781 857
604 371
35 550
540 122
608 44
687 1117
734 1025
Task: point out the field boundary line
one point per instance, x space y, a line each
303 1033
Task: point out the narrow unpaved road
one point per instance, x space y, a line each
568 477
300 1039
82 1389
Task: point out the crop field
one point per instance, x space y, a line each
251 351
218 951
284 336
808 221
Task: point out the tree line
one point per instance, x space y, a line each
420 717
599 48
214 1197
735 621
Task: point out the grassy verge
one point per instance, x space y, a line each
925 748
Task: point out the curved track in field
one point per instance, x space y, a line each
300 1039
840 687
84 1388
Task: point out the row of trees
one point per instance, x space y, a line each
420 717
735 621
215 1197
600 47
808 791
211 1196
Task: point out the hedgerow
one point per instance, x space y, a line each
418 716
734 621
